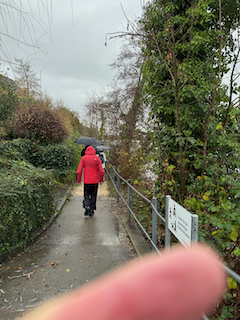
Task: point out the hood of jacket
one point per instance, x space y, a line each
90 150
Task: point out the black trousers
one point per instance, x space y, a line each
90 196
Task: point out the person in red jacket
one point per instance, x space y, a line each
93 174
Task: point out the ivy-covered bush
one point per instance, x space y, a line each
62 159
26 201
24 148
40 125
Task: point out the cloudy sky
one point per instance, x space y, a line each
75 61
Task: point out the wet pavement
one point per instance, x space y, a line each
72 252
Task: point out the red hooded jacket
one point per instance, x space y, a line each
91 163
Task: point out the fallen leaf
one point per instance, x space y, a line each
52 264
7 268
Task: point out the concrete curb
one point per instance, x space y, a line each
139 243
37 234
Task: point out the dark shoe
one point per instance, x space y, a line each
91 213
86 213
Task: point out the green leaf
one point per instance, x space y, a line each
237 252
232 284
234 234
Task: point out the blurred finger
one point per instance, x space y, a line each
180 285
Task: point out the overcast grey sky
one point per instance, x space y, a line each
77 60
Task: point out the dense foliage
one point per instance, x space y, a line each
26 198
189 47
196 136
8 101
61 159
32 165
40 125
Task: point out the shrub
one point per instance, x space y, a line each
26 202
63 160
8 153
25 147
128 163
8 102
8 98
40 125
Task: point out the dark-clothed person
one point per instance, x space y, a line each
83 151
93 174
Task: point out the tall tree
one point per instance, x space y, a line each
189 45
27 79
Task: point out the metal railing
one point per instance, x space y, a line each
116 178
116 181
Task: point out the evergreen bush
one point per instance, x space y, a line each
26 201
61 159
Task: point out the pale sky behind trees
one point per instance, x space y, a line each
75 61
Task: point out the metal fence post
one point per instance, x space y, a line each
154 222
167 232
194 233
118 186
129 199
113 174
109 169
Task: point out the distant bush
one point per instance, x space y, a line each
8 98
40 125
59 158
26 201
8 103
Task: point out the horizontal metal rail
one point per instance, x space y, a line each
232 274
229 271
129 208
141 195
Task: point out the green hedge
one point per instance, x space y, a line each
61 159
18 149
27 174
26 202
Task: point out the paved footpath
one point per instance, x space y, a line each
72 252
